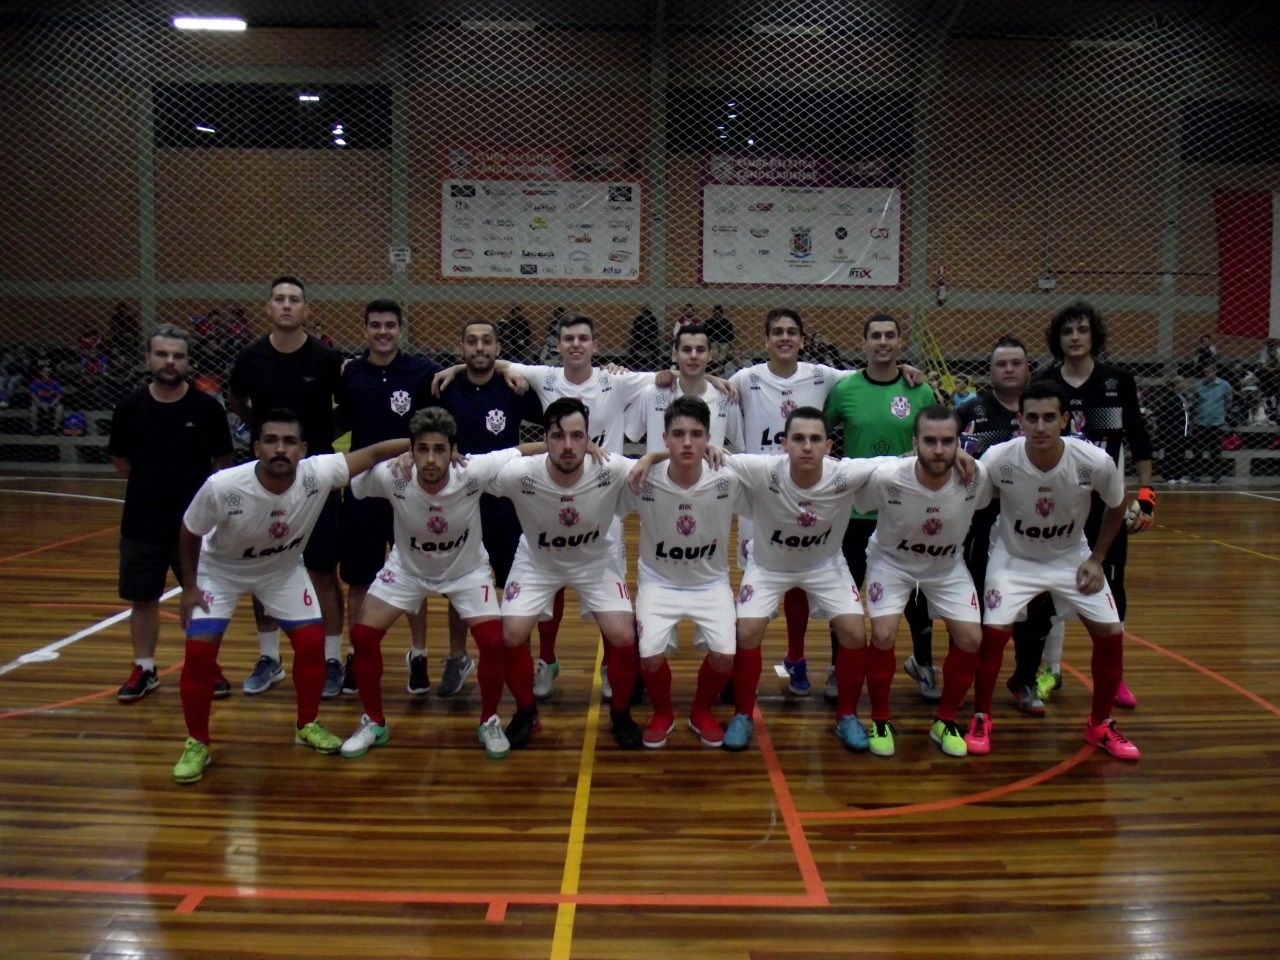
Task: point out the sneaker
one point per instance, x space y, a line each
544 678
349 684
831 689
1047 682
798 671
606 688
456 671
195 757
140 683
626 732
314 735
418 685
947 735
368 734
880 738
726 694
496 744
978 739
707 729
522 727
657 730
738 733
1125 697
266 674
332 679
1106 736
221 686
925 677
1027 699
851 733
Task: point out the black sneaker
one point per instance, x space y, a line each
221 686
638 692
726 695
626 732
418 685
140 683
522 727
349 684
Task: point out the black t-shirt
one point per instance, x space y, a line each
306 381
987 421
1105 411
170 448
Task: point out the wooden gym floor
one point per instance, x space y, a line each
795 849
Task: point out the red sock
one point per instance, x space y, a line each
1107 667
795 606
880 667
990 659
492 665
366 644
957 676
624 667
746 677
710 682
196 687
548 629
520 675
659 683
308 669
851 671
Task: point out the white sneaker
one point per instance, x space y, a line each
830 690
925 677
496 745
368 734
544 677
606 688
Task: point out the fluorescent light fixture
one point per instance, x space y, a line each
203 129
339 142
308 98
208 23
337 129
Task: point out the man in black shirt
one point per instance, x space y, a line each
166 438
289 368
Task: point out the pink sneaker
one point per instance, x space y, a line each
1125 697
1106 736
978 739
656 730
707 729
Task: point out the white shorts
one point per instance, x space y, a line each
1013 582
472 595
659 608
287 595
532 587
830 587
950 592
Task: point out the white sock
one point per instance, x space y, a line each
269 644
146 663
416 654
333 646
1053 642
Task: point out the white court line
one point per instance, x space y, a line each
73 496
51 651
45 479
1260 496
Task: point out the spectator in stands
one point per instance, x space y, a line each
1171 405
46 400
550 352
963 391
720 334
1209 421
515 333
204 348
11 379
124 333
645 349
687 317
737 361
935 384
1255 412
1206 352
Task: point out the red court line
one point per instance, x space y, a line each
63 571
1211 674
60 543
109 692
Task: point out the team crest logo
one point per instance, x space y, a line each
807 519
993 599
787 406
512 591
549 384
1044 506
1111 383
605 478
894 491
746 593
875 592
660 400
278 530
900 407
495 421
472 484
308 482
723 408
437 525
686 524
603 380
842 483
754 379
932 527
722 486
400 402
646 489
1084 474
207 596
526 483
1006 471
400 483
386 576
568 517
233 499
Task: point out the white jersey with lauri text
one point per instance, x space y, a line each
797 528
565 527
918 530
766 400
606 396
684 531
1042 513
645 418
249 531
437 535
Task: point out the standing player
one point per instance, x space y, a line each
686 512
922 515
246 532
1047 484
289 368
166 438
565 510
437 550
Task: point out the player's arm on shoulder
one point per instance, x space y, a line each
358 461
724 386
640 472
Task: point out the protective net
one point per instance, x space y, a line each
644 163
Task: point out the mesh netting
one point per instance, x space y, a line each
642 163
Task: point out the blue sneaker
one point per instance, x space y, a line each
798 671
738 732
850 731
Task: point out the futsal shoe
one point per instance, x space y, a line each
349 684
367 735
707 729
606 688
831 689
947 736
978 739
267 672
419 685
544 678
1027 699
880 738
140 683
926 678
657 730
332 679
626 732
852 734
456 671
738 733
522 727
1125 697
496 745
195 757
798 676
1047 682
221 685
1106 736
317 737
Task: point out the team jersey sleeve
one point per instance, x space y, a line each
535 374
331 470
870 498
507 478
985 489
1108 482
632 386
202 512
377 482
859 470
484 467
751 469
835 373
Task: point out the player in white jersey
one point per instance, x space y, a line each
565 509
438 549
923 513
1045 483
244 532
686 512
646 417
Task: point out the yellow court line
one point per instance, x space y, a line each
1232 546
566 913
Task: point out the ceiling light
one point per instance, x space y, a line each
209 23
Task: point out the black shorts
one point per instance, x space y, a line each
321 554
143 567
367 532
